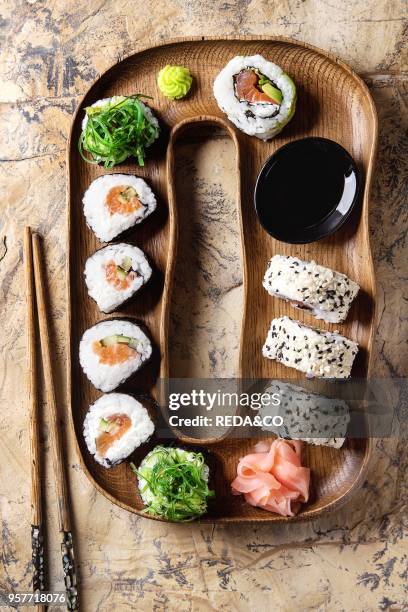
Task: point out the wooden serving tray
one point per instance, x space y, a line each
333 102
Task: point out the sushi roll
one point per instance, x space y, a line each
258 97
116 128
173 483
305 284
115 426
112 351
111 102
306 414
113 203
114 274
309 350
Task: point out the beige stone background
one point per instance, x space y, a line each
355 559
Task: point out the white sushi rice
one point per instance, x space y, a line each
326 293
309 350
106 295
140 431
305 414
107 377
259 119
108 226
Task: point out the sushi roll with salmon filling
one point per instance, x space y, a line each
258 97
114 203
112 351
114 274
115 426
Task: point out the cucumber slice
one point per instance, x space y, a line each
108 340
121 273
127 194
105 425
123 339
115 339
126 264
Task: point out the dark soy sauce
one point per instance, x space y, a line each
306 190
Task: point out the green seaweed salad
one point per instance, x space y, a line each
173 483
116 129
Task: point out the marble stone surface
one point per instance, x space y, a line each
354 559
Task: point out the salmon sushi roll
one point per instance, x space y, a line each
114 274
256 95
115 426
114 203
112 351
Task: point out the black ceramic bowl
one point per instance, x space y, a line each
306 190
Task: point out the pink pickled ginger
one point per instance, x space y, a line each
273 478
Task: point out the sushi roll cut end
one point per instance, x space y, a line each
114 203
112 351
116 128
114 274
115 425
257 96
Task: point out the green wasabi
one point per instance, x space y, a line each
174 81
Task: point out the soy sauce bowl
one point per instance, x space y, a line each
306 190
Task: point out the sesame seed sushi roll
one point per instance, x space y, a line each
112 351
114 274
114 203
307 349
306 285
311 417
256 95
115 426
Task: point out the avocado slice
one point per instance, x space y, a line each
115 339
272 92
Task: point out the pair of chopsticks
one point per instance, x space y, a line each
37 304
